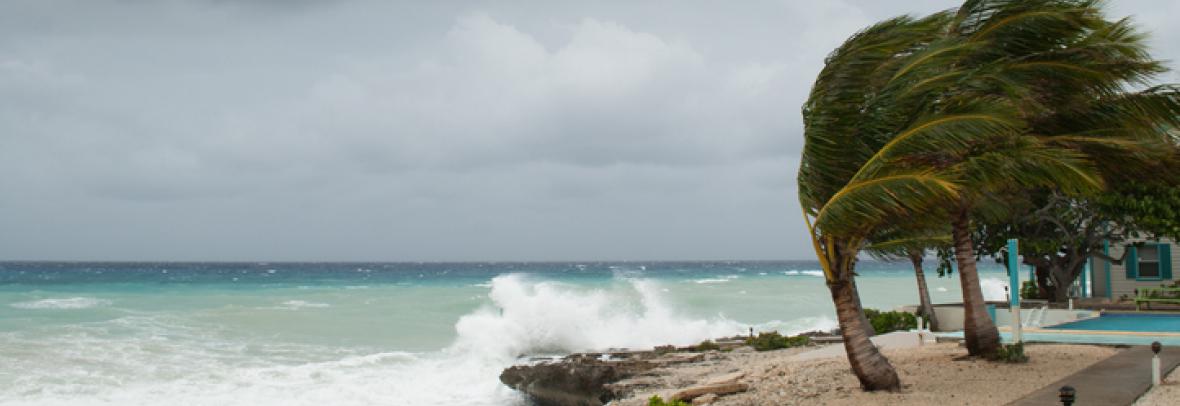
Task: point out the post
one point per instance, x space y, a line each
1155 363
1014 289
1067 394
1085 278
921 323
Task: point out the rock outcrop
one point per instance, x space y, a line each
588 379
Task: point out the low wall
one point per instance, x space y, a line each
950 316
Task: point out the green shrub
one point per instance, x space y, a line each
773 341
884 322
707 345
1029 290
658 401
1012 353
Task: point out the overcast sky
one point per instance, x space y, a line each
379 130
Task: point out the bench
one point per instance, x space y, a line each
1156 295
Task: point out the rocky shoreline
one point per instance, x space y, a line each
599 378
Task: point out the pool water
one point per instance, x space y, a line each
1152 323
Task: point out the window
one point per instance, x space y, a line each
1149 261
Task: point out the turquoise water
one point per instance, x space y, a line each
1160 323
360 334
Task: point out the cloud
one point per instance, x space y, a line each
353 130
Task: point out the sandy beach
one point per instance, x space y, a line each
1165 394
935 374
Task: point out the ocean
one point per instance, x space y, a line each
75 333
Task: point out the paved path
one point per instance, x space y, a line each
1115 381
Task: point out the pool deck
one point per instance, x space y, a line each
1115 381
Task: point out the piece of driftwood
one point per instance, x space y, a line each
720 389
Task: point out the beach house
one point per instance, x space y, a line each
1145 264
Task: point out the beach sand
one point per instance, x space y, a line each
934 374
1167 394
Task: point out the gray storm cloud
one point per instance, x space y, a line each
365 130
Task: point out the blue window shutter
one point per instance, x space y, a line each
1165 261
1132 262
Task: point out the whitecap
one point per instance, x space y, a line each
301 304
719 279
62 304
808 272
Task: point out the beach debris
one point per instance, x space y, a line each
720 389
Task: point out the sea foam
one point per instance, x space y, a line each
63 304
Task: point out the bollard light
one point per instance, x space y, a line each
1067 394
1156 375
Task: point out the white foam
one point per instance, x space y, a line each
63 304
549 317
993 288
719 279
808 272
301 304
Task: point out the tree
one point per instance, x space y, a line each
844 125
947 121
1063 70
1112 112
1060 233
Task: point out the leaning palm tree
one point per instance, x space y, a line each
848 118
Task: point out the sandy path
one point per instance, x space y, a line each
933 374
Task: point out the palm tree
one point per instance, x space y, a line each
896 245
848 117
937 118
1065 69
926 308
933 116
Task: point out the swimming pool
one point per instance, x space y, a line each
1150 323
1110 328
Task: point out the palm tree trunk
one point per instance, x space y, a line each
872 369
983 339
925 308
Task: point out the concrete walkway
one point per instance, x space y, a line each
1115 381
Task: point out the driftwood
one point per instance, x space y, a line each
719 389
